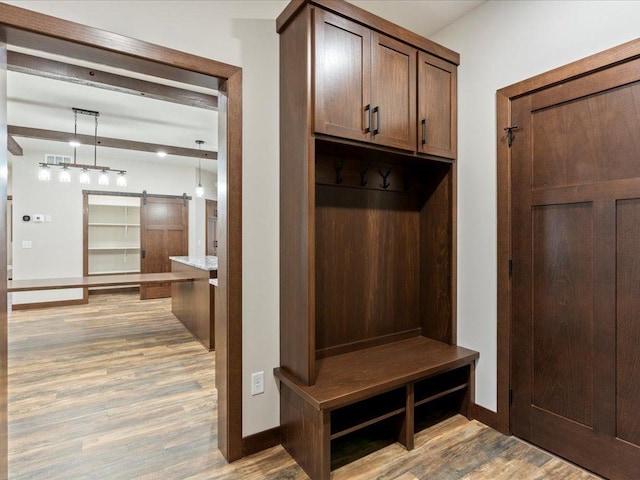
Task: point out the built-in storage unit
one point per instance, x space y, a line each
113 234
368 233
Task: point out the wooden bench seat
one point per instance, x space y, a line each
358 389
96 281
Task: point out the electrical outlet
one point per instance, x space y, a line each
257 383
47 218
26 244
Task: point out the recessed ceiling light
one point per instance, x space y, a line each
162 154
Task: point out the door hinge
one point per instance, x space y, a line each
510 267
510 396
509 131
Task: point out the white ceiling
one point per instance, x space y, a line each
39 102
424 17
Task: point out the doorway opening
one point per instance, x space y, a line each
38 32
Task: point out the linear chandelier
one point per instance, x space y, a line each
84 177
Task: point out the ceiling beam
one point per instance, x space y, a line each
43 67
13 147
55 136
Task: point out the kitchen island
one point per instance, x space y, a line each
193 303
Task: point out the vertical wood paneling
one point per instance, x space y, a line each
3 262
436 258
628 324
297 327
562 310
367 264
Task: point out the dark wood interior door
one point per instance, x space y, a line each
342 77
164 233
576 270
393 92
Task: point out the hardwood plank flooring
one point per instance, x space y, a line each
119 389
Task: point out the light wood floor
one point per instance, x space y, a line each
118 389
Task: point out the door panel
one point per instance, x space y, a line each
393 93
586 140
562 310
628 332
437 106
164 230
576 274
342 76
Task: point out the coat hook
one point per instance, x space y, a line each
384 176
339 174
363 175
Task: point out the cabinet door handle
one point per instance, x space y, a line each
377 112
368 109
424 131
143 253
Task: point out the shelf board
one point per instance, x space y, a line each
366 423
113 248
441 394
107 224
114 272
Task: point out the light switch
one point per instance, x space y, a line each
26 244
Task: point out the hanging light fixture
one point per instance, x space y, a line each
199 188
84 178
65 175
122 179
104 178
44 174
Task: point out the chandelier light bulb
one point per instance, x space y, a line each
104 178
122 180
44 175
85 178
65 175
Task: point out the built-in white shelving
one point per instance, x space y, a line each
113 234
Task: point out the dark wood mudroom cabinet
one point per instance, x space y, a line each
367 234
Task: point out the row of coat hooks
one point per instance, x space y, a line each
379 177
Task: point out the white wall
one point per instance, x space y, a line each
241 33
500 43
57 246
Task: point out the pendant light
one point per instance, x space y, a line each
104 178
199 188
65 175
122 179
44 174
84 178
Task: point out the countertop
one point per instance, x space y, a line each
214 282
209 262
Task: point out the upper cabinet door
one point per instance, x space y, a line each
342 77
393 93
437 106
